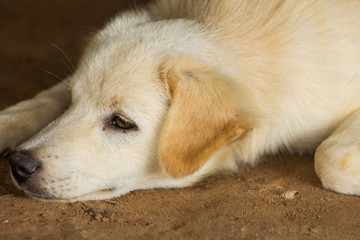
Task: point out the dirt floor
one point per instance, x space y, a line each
255 203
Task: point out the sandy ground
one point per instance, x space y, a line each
250 204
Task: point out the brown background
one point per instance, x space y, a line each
244 205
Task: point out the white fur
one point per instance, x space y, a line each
293 67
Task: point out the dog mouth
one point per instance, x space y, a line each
95 195
35 190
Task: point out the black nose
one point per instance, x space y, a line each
23 165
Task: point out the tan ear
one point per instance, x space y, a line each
202 116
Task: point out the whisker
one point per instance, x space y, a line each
57 77
67 58
68 67
67 74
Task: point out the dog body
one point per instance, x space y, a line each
181 89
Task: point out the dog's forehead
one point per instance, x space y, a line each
113 77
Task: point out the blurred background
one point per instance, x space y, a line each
35 34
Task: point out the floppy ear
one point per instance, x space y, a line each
201 119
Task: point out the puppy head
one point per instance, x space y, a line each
135 122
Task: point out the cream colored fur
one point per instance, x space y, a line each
209 84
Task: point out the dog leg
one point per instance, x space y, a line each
23 120
337 159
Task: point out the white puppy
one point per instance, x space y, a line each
183 88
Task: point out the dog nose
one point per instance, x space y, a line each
23 165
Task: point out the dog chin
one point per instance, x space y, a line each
96 195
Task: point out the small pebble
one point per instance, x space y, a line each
291 194
314 230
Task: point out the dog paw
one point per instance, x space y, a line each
7 144
338 167
11 135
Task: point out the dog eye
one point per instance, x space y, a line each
122 123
